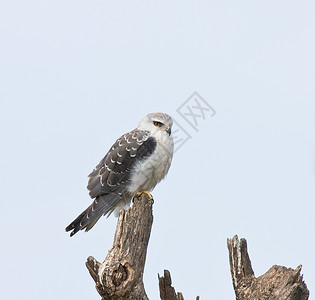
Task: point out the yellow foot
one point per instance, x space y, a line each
144 192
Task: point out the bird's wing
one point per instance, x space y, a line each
113 172
109 180
87 219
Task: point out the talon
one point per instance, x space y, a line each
138 194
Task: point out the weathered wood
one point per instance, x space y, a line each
240 265
167 292
120 276
279 283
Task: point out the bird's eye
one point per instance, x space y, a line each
157 123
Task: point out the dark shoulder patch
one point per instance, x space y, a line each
147 148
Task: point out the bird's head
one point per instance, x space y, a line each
156 122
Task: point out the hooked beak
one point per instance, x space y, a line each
168 130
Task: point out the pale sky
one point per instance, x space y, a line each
75 75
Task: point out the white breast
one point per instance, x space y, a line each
147 173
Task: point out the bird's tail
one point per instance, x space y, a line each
86 220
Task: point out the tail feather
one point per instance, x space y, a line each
101 206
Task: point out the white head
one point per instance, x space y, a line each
156 122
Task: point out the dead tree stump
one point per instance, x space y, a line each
120 276
167 292
278 283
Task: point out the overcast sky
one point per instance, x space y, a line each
75 75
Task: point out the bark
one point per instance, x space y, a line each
120 276
167 292
278 283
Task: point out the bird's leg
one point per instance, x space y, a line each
138 194
144 192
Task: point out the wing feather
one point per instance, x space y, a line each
114 170
108 181
87 219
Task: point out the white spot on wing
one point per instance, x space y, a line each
107 168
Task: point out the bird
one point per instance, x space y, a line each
135 164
